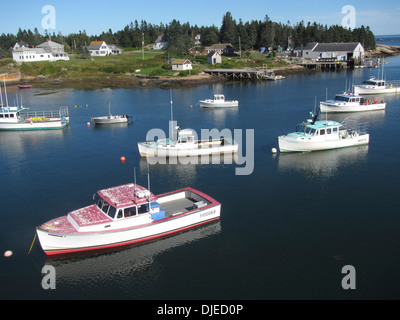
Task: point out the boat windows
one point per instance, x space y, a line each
111 212
329 131
129 212
322 132
310 131
143 208
335 130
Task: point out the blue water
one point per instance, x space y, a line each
391 40
286 230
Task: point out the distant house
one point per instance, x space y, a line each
214 57
181 65
197 39
114 49
222 48
102 49
160 43
344 51
47 51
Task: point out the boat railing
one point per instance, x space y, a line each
351 125
393 83
56 114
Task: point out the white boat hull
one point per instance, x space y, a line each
212 104
289 144
350 107
30 126
153 149
54 243
365 89
109 120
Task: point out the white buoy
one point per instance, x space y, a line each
274 150
8 254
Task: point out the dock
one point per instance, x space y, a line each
239 74
324 65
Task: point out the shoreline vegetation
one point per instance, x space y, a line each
130 70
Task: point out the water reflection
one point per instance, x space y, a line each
124 263
322 164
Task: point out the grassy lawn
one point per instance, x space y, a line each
154 64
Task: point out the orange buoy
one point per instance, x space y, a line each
123 159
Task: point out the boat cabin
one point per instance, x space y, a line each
374 82
186 136
127 201
9 114
219 97
320 128
349 98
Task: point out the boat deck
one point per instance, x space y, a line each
179 206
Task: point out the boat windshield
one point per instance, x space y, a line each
105 206
310 131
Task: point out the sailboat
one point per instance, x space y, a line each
111 119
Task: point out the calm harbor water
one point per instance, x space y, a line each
286 230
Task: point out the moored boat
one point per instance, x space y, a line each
185 144
110 119
13 119
126 215
218 102
315 135
376 86
348 102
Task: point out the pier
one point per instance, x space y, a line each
239 74
324 65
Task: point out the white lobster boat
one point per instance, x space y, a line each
324 135
186 145
110 119
375 86
126 215
13 119
348 102
218 102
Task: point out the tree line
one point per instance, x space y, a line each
251 35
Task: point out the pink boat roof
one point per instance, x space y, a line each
125 195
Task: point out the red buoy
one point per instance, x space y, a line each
123 159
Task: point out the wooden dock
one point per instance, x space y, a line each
238 74
324 65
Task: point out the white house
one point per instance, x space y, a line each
102 49
160 43
48 51
343 51
181 65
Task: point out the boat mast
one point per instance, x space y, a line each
5 90
1 95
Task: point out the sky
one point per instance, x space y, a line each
96 16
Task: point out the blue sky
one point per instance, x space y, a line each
96 16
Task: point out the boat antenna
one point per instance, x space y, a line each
148 183
134 179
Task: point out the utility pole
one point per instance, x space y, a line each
143 45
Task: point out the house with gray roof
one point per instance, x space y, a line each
343 51
47 51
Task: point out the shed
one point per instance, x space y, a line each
214 58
